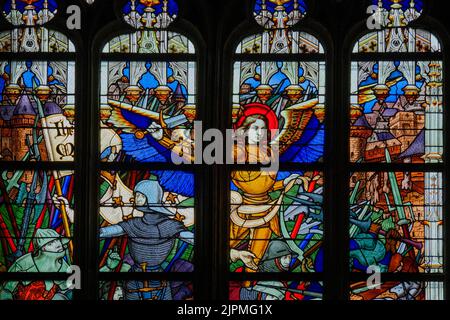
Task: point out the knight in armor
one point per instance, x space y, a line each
151 239
48 257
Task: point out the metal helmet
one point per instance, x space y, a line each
277 249
152 190
45 236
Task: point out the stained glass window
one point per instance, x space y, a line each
147 109
396 118
292 90
291 221
398 291
37 125
115 291
397 104
104 195
148 106
276 290
396 220
276 217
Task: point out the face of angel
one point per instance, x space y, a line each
256 132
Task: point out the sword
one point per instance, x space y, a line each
368 226
171 122
302 292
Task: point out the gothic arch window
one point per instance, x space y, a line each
148 102
276 216
37 154
397 164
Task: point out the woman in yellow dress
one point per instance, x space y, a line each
254 215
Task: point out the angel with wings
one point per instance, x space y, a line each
254 213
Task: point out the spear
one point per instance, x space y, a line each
302 292
58 188
403 222
354 194
31 196
29 208
7 235
368 226
64 215
397 196
171 122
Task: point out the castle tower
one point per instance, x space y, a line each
179 97
406 126
5 132
360 131
23 119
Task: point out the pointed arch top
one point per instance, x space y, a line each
391 30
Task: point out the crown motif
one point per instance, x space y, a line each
279 14
150 14
29 12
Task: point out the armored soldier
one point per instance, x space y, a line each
48 256
151 239
277 258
